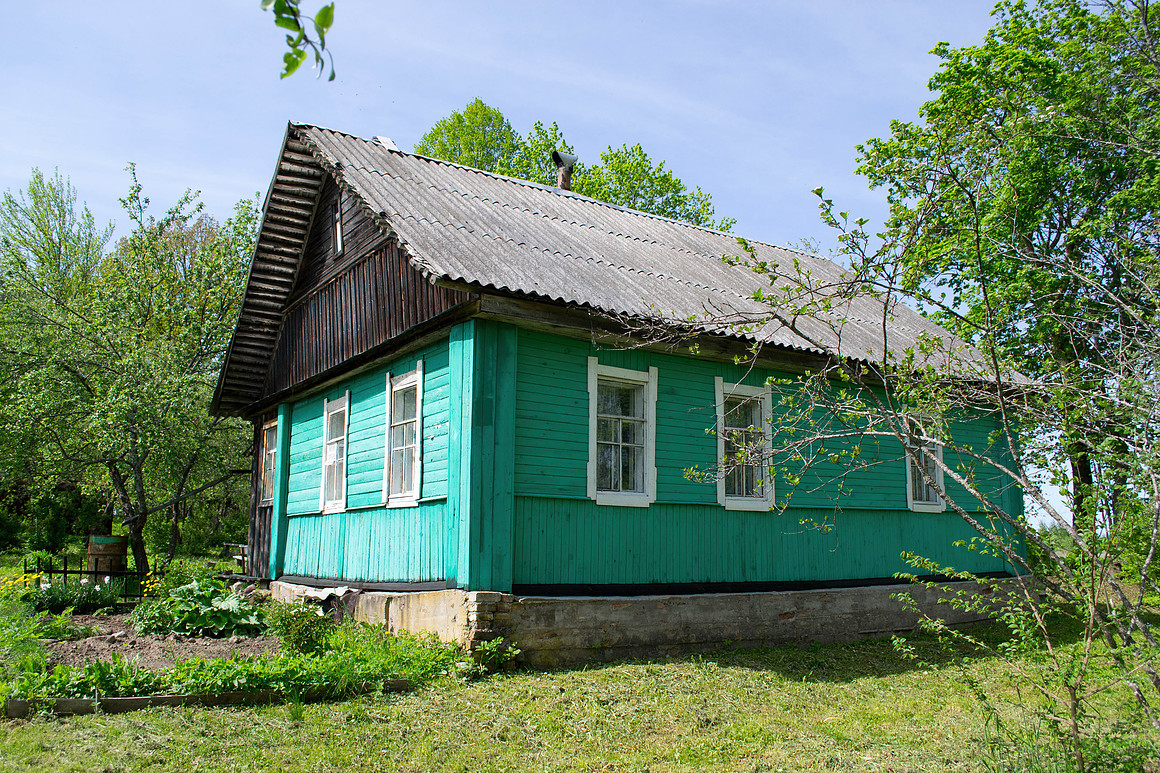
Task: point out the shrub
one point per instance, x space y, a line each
81 597
495 655
301 628
201 608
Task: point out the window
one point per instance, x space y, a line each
269 459
404 443
336 217
332 497
621 435
921 496
743 436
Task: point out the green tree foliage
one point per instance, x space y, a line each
1030 186
299 40
480 136
1024 207
112 353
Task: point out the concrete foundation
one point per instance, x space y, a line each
554 631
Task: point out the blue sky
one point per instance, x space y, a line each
757 103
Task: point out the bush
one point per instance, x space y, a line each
200 608
81 597
302 628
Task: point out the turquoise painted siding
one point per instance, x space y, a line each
572 541
369 541
376 545
685 536
366 434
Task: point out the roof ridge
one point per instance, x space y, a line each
554 189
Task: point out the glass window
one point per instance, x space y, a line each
923 495
621 432
404 456
269 460
334 455
404 440
743 444
743 447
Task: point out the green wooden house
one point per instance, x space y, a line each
443 404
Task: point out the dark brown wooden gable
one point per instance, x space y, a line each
364 304
320 261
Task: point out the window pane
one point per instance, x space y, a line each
409 433
396 437
606 430
408 470
631 468
335 424
615 399
742 413
607 467
733 483
404 403
632 432
606 403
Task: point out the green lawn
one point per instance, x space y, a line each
856 707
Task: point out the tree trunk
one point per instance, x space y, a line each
1083 501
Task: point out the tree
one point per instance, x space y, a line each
112 354
480 136
1023 216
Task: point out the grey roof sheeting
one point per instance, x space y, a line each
464 225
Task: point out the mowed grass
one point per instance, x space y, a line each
857 707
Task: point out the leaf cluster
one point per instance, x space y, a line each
299 40
201 608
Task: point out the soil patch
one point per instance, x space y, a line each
115 634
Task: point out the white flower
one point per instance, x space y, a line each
107 578
85 581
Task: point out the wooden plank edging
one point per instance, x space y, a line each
17 708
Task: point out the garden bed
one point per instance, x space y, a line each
153 651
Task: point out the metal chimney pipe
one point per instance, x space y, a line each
564 163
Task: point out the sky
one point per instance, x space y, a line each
757 103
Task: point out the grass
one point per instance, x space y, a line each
855 707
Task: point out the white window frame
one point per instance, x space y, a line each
395 384
924 506
268 452
337 233
724 391
647 379
329 407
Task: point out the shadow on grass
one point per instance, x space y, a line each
859 659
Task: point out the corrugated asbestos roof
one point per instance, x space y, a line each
462 225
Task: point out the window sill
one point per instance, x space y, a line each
927 507
393 504
751 504
621 499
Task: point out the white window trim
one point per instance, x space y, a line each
337 233
649 380
925 507
262 470
724 391
328 407
415 378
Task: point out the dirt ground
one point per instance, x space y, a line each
116 635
